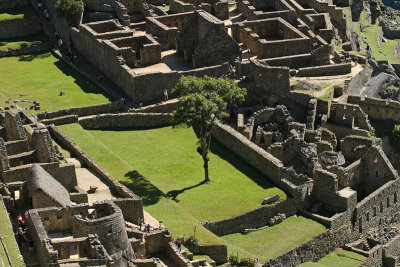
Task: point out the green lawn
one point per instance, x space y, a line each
162 166
273 241
18 42
343 258
42 77
7 235
19 12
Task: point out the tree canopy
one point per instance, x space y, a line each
204 101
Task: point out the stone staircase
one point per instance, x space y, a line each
48 27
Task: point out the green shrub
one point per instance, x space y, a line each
235 260
396 135
69 9
190 242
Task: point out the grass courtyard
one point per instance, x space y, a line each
342 258
162 166
42 77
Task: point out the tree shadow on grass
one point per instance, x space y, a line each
240 165
139 185
86 85
173 194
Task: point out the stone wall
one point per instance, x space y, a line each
218 253
125 120
35 47
335 69
131 208
61 120
251 219
147 88
6 4
20 27
378 109
164 107
109 226
177 6
83 111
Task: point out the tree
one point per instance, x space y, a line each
204 101
70 9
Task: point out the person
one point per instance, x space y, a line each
179 245
165 95
147 229
39 5
20 235
47 16
60 43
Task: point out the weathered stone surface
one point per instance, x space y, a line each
270 199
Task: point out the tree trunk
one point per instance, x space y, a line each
206 177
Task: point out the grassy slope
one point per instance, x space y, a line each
277 239
19 12
42 77
8 238
343 258
371 36
235 188
16 43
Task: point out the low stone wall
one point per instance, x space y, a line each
177 6
61 120
83 111
125 120
164 107
35 47
251 219
312 250
218 253
20 27
335 69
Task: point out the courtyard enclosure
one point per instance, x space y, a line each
172 188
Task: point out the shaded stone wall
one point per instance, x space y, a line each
251 219
20 27
334 69
6 4
35 47
126 120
